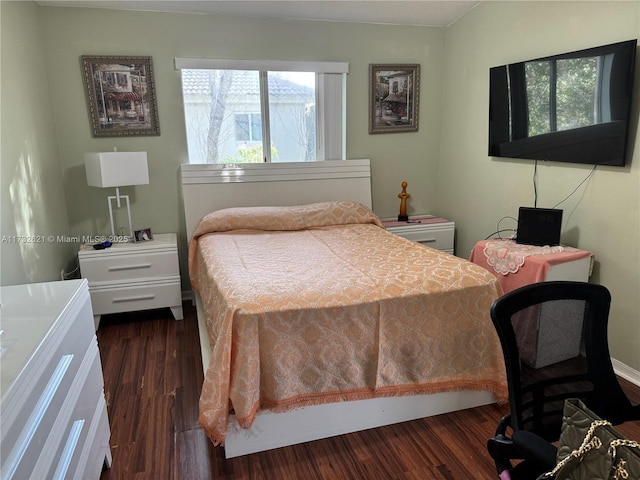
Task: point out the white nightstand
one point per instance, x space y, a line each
428 230
133 276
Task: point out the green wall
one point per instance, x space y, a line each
32 198
72 32
477 191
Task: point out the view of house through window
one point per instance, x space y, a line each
241 116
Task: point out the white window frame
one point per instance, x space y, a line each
330 95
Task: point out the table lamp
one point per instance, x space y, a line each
117 169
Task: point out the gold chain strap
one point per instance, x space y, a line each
620 471
588 444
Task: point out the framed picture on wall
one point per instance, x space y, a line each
394 91
121 95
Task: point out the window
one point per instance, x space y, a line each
246 111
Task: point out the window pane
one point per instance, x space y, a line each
219 107
242 128
256 127
292 116
224 109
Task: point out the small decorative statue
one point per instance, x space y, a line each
403 217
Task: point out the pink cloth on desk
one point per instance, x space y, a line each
531 264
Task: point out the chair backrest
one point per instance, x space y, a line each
554 340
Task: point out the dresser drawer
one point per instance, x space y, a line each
63 455
140 296
30 409
96 453
129 266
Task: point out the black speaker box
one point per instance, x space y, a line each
539 226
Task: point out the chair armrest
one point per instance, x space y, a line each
535 448
501 428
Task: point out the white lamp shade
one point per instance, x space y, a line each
116 169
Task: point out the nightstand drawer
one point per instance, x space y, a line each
442 239
433 232
140 296
128 266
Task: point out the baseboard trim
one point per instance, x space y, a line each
626 372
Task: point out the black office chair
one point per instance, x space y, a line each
554 341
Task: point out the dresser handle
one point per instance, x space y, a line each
14 458
69 449
427 240
129 267
137 297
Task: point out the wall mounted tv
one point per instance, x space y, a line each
574 107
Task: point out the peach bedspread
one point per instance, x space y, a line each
318 303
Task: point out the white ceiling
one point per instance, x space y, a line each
397 12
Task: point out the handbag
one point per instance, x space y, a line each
590 448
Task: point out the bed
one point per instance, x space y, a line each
314 320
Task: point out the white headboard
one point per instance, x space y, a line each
209 187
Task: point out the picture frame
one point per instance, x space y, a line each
121 95
394 95
143 235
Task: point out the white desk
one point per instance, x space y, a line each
567 263
518 265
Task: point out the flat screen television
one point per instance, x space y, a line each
574 107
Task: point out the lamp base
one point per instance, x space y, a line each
403 218
117 197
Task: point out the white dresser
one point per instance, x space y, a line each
133 276
53 410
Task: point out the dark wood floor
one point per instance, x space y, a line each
153 373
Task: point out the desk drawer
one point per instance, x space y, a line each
129 266
142 296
